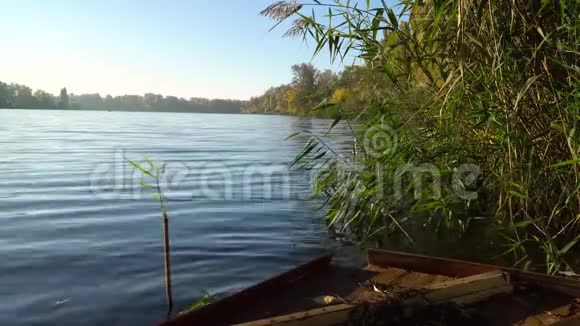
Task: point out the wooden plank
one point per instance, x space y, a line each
570 321
376 269
444 291
562 285
425 264
483 295
328 316
389 276
217 312
385 275
545 320
442 278
568 315
415 280
465 291
457 268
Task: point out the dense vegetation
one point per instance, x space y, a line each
311 91
471 112
22 97
309 86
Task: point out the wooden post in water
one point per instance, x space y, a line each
166 252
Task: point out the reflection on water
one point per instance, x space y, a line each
81 244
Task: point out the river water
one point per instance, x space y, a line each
81 242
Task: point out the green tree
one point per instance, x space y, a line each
152 101
23 97
6 96
63 102
304 75
44 100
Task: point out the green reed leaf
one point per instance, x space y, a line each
140 168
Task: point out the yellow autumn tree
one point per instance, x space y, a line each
339 95
291 95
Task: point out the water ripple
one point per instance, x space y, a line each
75 255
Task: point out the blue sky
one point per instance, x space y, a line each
187 48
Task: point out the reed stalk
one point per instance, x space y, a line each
490 84
156 173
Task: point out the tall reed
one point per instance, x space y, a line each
156 172
496 88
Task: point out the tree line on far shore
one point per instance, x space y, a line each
314 92
22 97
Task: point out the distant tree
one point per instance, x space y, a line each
152 101
108 102
23 97
6 96
87 101
339 95
352 88
325 80
20 96
131 102
63 102
44 100
304 75
308 88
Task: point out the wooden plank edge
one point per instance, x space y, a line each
481 296
331 315
569 321
232 303
457 268
465 291
338 314
476 286
494 276
555 316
